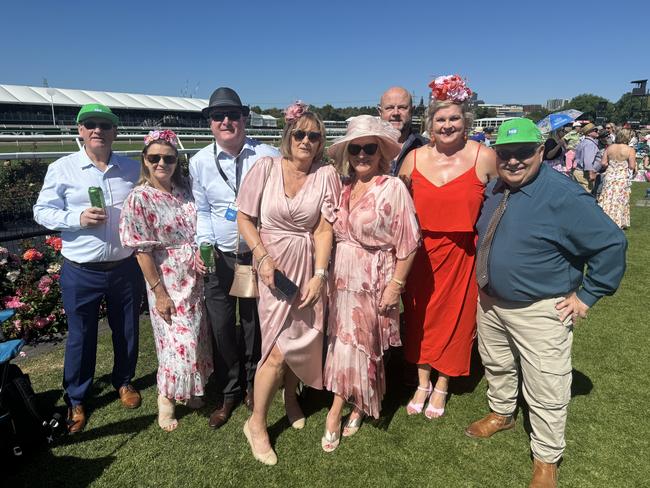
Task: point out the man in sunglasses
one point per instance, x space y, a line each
217 172
396 107
96 266
585 161
538 231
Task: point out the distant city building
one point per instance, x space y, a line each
503 111
556 103
532 108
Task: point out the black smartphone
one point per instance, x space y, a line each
284 285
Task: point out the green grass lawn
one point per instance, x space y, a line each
607 434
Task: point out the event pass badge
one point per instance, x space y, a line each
231 212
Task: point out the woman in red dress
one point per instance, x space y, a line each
447 178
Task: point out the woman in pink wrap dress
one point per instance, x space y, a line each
294 198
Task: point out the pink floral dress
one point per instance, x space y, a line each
165 225
379 229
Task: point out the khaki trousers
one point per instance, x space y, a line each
582 177
529 338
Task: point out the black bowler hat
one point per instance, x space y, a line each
224 97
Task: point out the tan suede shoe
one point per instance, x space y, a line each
490 425
129 396
544 475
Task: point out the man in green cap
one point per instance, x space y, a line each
538 231
96 266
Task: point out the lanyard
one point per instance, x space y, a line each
235 189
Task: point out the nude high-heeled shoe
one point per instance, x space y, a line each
269 457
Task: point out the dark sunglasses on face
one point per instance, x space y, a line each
167 158
299 135
92 125
369 149
520 154
231 114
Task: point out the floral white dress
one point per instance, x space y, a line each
165 225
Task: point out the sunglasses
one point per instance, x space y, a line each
519 154
369 149
167 158
231 114
299 135
92 125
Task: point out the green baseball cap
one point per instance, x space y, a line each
96 110
516 131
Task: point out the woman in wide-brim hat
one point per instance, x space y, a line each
376 236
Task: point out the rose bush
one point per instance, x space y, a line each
29 283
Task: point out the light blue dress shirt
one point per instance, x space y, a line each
64 197
212 195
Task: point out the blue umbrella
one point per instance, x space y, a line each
558 119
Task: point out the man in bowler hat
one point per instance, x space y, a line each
217 171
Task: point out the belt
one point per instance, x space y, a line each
238 255
97 266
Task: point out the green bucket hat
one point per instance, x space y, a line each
96 110
516 131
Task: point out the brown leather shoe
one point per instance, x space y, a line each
248 400
129 396
489 425
76 419
544 475
221 415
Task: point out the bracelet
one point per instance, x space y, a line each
398 282
321 273
259 263
255 246
153 287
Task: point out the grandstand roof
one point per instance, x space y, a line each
39 95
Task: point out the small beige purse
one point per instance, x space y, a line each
244 283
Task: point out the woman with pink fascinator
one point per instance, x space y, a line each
286 210
376 237
447 178
158 220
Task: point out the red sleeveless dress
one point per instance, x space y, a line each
441 292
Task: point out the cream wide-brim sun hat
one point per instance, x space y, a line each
367 126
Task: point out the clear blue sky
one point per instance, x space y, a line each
338 52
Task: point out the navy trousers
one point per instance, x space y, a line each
83 291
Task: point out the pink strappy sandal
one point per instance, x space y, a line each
433 412
416 408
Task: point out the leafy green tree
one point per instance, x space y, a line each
592 106
485 112
537 115
630 107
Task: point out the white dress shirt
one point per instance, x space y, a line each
212 195
64 197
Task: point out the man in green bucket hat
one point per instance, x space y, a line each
538 231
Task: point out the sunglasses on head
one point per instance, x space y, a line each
299 135
92 125
167 158
231 114
369 149
520 154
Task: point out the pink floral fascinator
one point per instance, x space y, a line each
450 87
161 135
295 110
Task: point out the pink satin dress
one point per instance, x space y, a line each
287 226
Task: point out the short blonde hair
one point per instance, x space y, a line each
345 168
285 143
623 136
435 105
